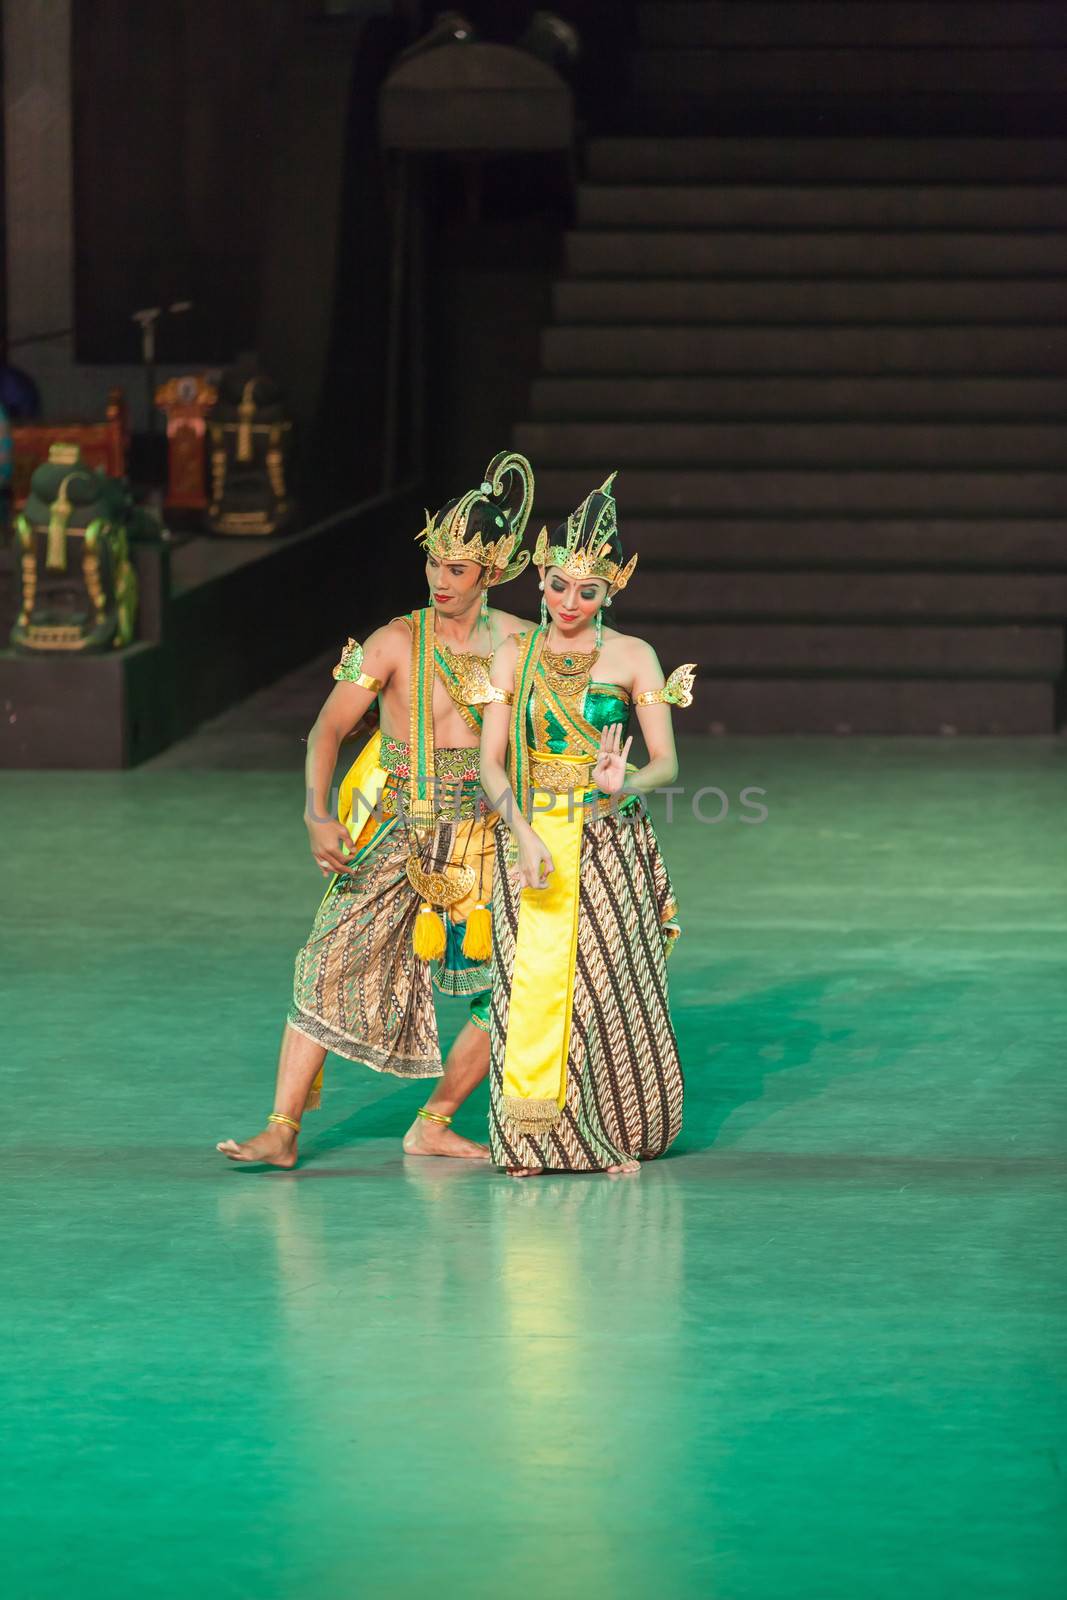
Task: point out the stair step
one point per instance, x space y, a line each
871 649
825 350
632 253
819 161
791 113
803 397
858 705
950 72
907 300
845 596
986 206
842 492
772 444
920 26
721 543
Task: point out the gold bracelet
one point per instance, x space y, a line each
288 1122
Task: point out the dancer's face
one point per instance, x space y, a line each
572 603
455 586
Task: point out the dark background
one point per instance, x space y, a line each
251 184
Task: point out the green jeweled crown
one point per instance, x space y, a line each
486 524
587 544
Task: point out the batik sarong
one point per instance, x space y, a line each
359 989
585 1072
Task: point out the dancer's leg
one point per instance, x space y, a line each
298 1063
466 1067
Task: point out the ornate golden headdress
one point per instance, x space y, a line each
486 524
587 545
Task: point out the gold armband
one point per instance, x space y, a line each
350 668
677 691
497 697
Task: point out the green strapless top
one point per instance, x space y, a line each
602 704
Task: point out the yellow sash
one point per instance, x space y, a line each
542 984
367 776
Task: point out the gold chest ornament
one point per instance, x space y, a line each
469 683
567 673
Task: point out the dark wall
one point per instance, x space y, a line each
172 117
227 154
323 314
488 289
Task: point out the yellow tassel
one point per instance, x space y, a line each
478 939
428 935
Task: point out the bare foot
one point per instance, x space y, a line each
623 1166
276 1146
431 1139
525 1172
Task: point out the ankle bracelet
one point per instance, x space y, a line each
288 1122
433 1116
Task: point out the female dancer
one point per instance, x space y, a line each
584 1073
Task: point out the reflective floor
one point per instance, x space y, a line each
818 1353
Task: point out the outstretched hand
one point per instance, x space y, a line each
609 773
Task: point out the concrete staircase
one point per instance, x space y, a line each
866 66
833 375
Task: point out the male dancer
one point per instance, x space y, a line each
411 858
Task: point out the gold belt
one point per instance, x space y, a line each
559 773
452 798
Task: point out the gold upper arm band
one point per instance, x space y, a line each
350 669
498 697
677 691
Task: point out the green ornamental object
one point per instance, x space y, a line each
78 589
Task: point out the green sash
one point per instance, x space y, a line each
420 734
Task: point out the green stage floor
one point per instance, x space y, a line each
816 1354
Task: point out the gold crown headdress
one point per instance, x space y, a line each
586 543
486 524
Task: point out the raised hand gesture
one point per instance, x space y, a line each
609 773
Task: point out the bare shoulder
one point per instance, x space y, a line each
505 656
631 661
629 648
389 642
507 652
505 622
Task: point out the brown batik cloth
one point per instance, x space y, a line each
624 1078
358 987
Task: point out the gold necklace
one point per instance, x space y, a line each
567 672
